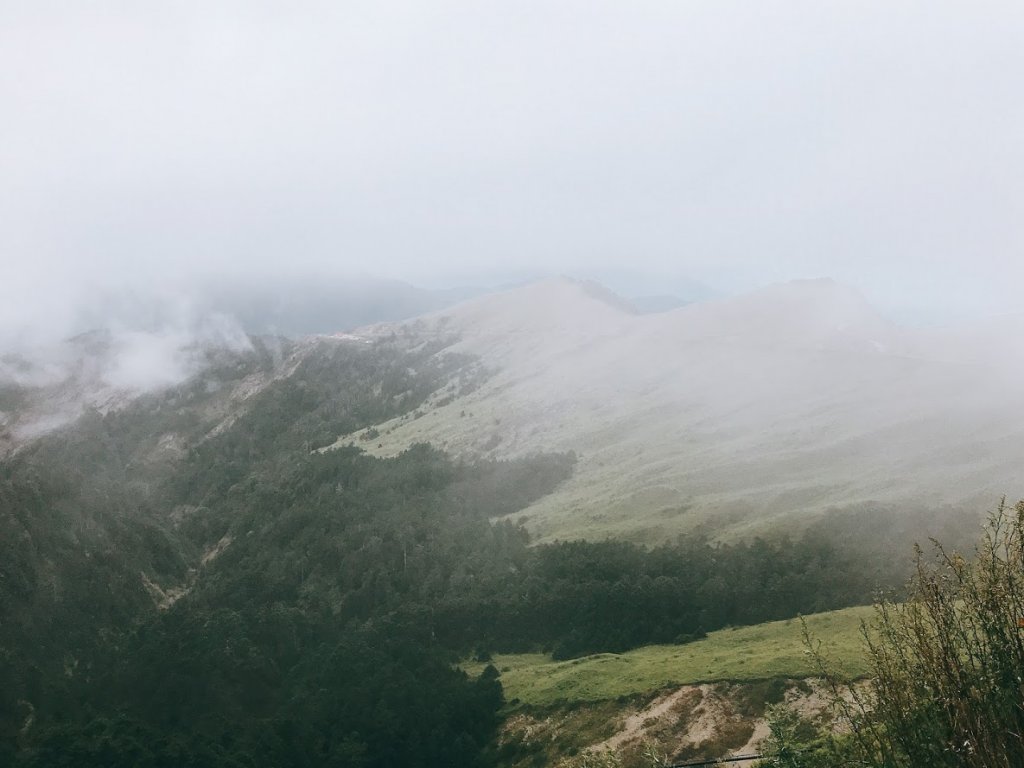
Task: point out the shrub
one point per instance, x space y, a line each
946 685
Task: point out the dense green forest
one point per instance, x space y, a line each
188 581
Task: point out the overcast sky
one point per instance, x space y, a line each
734 143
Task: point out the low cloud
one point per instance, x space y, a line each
142 344
145 360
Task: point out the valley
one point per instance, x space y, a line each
292 551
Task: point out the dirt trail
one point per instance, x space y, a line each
635 725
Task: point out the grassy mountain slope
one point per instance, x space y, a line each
731 414
737 654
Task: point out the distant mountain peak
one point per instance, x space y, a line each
555 301
603 294
798 309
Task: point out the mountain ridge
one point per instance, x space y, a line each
784 402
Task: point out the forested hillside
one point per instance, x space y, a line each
190 581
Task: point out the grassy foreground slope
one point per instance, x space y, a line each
772 650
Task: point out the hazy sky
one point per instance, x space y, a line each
735 143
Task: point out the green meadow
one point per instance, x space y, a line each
771 650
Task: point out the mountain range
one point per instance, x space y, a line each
727 415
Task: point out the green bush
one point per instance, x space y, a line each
945 689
